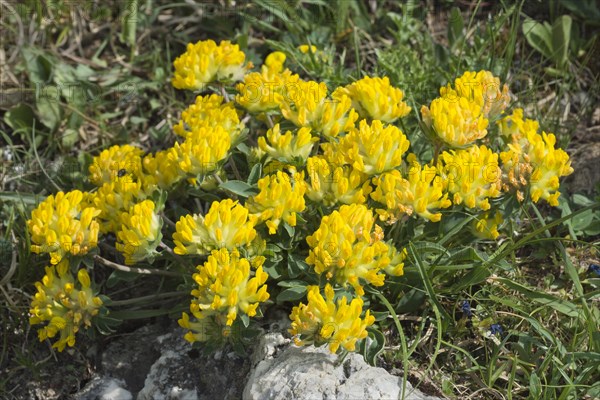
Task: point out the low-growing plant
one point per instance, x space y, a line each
279 189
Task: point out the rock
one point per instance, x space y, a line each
586 165
104 388
290 372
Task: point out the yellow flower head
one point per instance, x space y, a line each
63 224
472 175
64 303
515 128
225 287
225 225
260 90
376 98
290 148
486 225
549 164
205 62
202 151
281 196
322 321
304 48
209 111
481 88
373 149
140 232
161 170
305 104
348 247
422 193
114 198
332 184
118 163
455 120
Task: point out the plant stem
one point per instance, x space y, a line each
141 271
144 298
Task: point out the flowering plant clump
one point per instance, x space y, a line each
278 188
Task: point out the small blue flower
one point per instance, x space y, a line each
466 309
594 268
496 329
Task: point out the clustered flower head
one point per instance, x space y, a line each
262 91
486 225
63 224
116 164
348 248
208 111
322 320
206 62
289 147
65 305
225 287
472 175
305 104
376 98
226 225
280 198
532 161
331 184
140 232
423 193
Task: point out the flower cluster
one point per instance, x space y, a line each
289 148
281 197
331 184
140 232
206 62
65 304
225 287
322 320
348 247
63 224
226 225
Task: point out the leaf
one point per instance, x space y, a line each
245 319
48 108
561 36
38 66
255 174
240 188
538 36
292 294
20 117
129 21
120 276
455 27
373 346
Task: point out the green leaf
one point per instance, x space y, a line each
48 108
240 188
561 36
255 174
374 346
120 276
38 66
539 36
245 319
20 117
292 294
455 27
129 20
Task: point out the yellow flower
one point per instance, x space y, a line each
376 98
161 170
114 198
331 184
201 152
225 225
305 104
226 287
322 321
455 120
304 48
549 164
116 164
348 247
532 160
260 90
205 62
290 148
140 232
209 111
422 193
481 88
280 198
472 175
486 226
63 225
65 304
373 149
